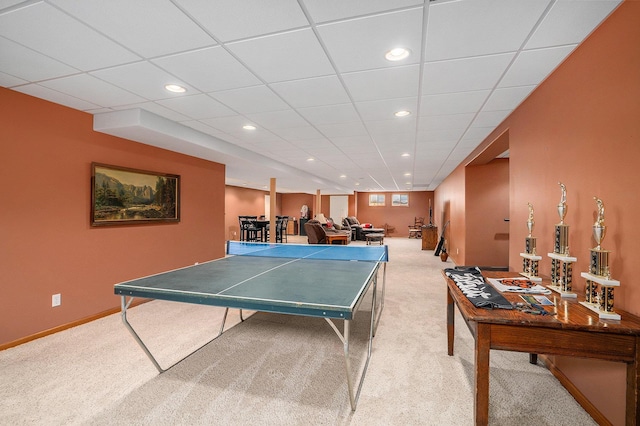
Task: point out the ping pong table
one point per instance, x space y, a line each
327 281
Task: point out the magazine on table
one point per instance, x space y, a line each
518 285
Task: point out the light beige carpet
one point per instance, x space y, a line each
277 369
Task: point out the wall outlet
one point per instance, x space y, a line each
55 300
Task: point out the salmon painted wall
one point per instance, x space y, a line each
292 203
241 202
47 245
398 217
581 127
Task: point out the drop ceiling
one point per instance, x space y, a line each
310 75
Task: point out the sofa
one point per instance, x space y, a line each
317 234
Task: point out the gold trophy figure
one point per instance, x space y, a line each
562 207
599 229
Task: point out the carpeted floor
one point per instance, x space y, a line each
277 369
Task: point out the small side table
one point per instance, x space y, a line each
374 236
429 237
339 238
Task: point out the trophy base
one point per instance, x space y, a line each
530 256
533 278
600 280
558 289
601 314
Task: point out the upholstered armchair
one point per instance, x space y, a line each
315 232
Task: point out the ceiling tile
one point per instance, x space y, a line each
532 66
143 79
211 69
332 114
197 107
329 10
4 4
295 134
232 20
405 139
273 120
476 133
149 27
507 98
30 65
61 37
343 129
351 143
388 83
453 103
7 80
480 27
462 75
360 44
386 108
383 127
251 99
312 91
232 124
92 89
583 16
490 118
54 96
447 135
440 122
286 56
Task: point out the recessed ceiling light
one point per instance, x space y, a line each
311 159
407 174
402 113
343 176
405 154
249 127
357 183
397 54
175 88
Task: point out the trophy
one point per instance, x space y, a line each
599 285
529 257
561 262
561 244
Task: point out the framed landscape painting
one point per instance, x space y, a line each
124 196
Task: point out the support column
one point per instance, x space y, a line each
318 202
272 209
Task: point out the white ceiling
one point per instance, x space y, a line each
309 74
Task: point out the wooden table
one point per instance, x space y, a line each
573 331
339 238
